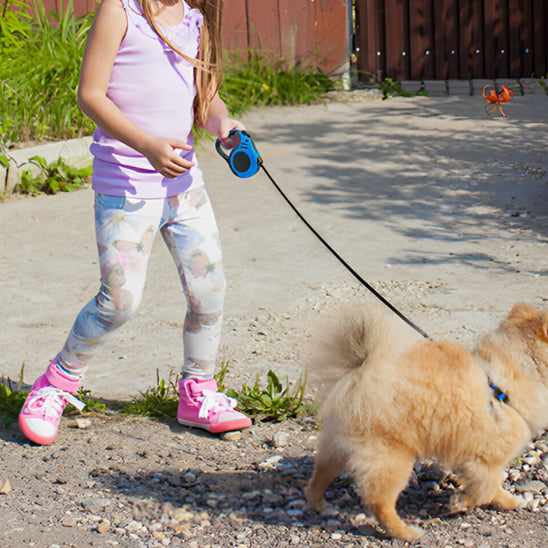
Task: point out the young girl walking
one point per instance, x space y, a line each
151 71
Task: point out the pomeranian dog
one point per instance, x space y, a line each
393 398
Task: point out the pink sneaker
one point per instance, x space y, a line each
41 413
201 405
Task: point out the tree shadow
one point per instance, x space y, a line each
461 176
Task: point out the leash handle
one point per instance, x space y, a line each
244 158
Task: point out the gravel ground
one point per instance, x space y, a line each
115 481
134 482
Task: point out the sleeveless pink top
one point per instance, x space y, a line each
154 87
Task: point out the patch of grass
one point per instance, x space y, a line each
274 402
12 398
39 73
158 401
53 177
256 82
391 88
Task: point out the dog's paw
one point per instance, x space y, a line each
314 500
316 505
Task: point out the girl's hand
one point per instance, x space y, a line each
163 155
225 126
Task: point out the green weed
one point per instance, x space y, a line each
54 177
12 398
255 82
158 401
271 403
391 88
39 73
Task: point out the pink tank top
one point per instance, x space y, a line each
154 87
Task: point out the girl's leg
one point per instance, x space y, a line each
125 230
192 237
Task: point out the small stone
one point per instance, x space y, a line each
231 436
271 462
82 423
103 526
69 521
534 486
280 439
6 487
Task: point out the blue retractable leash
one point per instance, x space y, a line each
244 161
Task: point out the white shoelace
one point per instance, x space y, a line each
211 399
52 400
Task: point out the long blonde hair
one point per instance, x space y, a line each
208 66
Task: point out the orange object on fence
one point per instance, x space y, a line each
493 98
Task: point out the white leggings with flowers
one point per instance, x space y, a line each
125 230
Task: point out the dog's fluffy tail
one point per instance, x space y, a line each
354 336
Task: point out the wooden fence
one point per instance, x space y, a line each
306 32
451 39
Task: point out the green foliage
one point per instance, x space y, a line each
272 403
257 83
54 177
92 406
158 401
39 73
14 24
12 398
542 83
391 88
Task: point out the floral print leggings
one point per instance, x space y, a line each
125 230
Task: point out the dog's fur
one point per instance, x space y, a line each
395 398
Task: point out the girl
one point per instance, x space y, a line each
150 72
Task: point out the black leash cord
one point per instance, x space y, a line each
343 262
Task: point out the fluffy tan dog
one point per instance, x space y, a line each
395 398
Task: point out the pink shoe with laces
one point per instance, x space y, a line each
39 418
202 406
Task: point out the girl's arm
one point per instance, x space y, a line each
219 123
104 39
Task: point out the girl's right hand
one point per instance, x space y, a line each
163 155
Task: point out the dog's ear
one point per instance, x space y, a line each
522 311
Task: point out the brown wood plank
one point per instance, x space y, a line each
370 28
540 38
297 24
471 39
264 28
421 40
235 31
446 39
397 39
332 34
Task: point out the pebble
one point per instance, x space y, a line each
82 423
103 526
6 487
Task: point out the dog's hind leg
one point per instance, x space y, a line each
329 464
482 486
381 476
